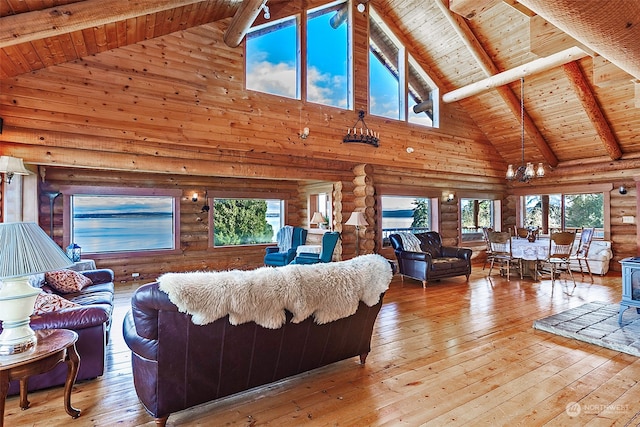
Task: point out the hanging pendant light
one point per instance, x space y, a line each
526 171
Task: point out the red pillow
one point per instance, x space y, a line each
47 303
67 281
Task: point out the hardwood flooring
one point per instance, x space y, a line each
455 353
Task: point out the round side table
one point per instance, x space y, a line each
53 346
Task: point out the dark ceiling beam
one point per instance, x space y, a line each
589 103
55 21
484 61
242 21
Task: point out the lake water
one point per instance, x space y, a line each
136 232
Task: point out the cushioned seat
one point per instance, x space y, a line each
89 316
422 256
329 241
276 257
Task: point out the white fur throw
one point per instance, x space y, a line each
328 291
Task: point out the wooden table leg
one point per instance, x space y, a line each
4 389
24 401
72 359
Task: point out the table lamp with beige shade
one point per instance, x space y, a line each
317 219
25 249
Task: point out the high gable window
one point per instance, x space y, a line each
394 89
274 63
329 69
386 70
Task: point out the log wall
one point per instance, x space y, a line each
172 112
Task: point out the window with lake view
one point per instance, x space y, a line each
121 223
404 214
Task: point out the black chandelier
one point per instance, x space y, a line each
525 172
361 134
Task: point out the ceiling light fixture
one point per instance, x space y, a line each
267 15
524 172
361 134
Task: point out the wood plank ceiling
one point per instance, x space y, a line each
584 112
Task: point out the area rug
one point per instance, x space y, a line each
597 323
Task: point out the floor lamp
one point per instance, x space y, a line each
357 220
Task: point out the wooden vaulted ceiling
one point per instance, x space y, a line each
585 110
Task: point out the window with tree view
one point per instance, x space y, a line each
246 221
404 214
476 214
565 212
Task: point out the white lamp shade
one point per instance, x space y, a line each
13 165
317 218
26 249
357 219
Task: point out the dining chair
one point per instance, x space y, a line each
521 232
559 258
500 242
582 253
485 236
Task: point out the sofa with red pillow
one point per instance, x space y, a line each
82 302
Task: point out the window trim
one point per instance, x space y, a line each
72 190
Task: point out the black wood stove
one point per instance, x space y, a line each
630 285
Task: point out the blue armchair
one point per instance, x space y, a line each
329 241
276 258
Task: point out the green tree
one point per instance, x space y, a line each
421 214
584 210
241 222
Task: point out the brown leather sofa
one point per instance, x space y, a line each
434 261
177 364
92 322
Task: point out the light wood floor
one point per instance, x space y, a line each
456 353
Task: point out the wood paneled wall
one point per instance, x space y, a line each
196 253
173 112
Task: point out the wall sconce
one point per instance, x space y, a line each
305 133
205 207
622 190
11 166
194 197
360 7
450 197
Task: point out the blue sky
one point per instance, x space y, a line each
272 62
84 204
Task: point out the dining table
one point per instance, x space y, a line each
530 253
